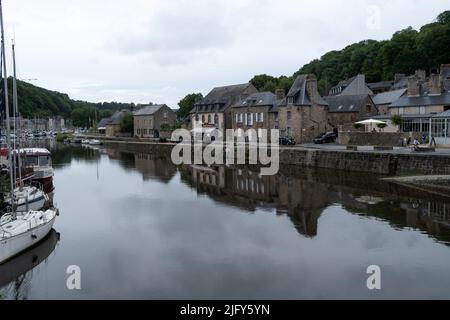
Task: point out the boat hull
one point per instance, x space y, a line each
11 247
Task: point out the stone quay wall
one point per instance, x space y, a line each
385 163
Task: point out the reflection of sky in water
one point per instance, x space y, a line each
145 238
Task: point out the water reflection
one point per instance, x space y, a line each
17 274
140 227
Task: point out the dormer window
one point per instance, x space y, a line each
290 100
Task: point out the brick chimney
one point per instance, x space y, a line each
311 87
421 75
413 86
435 85
280 94
445 70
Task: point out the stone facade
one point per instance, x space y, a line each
304 114
214 111
149 119
258 111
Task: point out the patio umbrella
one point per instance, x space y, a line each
371 121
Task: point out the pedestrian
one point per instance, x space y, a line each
424 137
432 141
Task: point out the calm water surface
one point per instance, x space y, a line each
141 228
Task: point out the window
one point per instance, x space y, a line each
250 119
31 161
241 117
165 115
289 115
290 100
216 119
203 118
260 117
289 131
209 118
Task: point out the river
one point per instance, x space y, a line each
139 227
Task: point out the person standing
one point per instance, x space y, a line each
432 141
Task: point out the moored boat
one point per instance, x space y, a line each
20 231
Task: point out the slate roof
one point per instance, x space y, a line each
220 98
148 110
402 83
388 97
116 118
347 103
380 85
357 86
407 101
300 94
445 114
260 99
103 122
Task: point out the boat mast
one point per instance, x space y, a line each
5 88
16 114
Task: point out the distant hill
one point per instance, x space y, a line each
39 102
407 51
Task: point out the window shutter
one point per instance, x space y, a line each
251 119
237 118
246 118
262 116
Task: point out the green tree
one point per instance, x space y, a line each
187 103
127 123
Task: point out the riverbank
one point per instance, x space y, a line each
391 163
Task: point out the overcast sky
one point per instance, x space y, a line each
160 50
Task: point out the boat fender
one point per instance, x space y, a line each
33 236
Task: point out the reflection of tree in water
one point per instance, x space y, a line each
62 155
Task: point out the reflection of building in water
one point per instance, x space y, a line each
303 202
214 177
428 215
249 190
154 167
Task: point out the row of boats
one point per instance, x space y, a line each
27 216
76 140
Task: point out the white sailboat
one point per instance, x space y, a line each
25 197
19 231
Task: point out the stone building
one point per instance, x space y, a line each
303 114
149 120
257 111
348 109
214 110
113 123
385 99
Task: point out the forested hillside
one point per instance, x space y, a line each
39 102
405 52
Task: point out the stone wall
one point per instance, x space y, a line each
372 139
384 163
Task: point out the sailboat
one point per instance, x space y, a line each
25 197
19 230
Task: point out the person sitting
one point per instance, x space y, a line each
416 144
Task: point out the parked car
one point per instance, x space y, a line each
325 138
287 141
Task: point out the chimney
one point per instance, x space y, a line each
421 75
398 77
280 94
413 86
311 87
445 71
434 84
